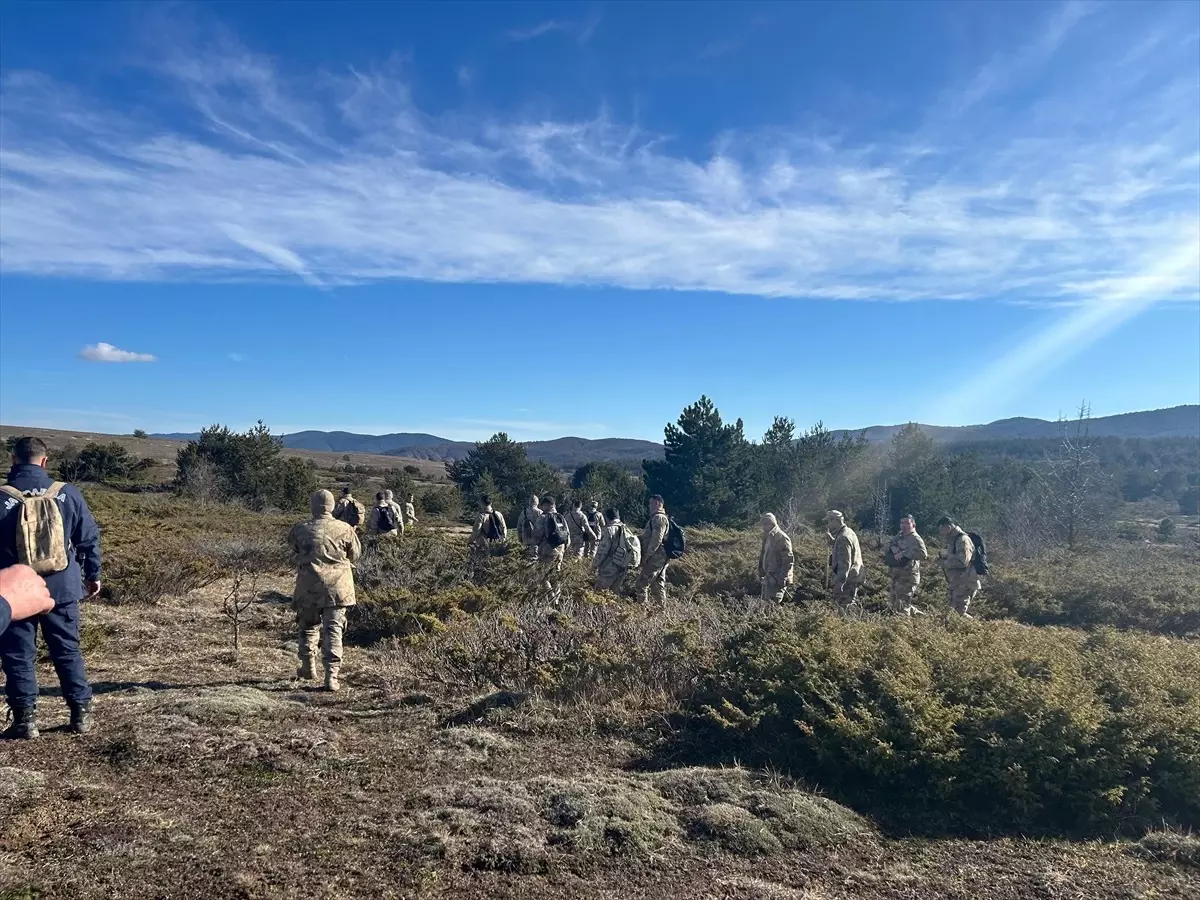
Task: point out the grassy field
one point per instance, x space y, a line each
163 452
488 746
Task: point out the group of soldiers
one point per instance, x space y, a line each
547 537
46 529
325 548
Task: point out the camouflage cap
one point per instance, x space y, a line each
834 515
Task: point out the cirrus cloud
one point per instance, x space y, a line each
107 353
339 177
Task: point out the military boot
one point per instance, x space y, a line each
305 671
331 680
81 717
24 724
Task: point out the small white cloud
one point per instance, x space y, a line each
237 357
107 353
465 75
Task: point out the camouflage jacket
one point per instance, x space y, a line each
479 533
530 525
959 552
323 550
775 559
653 536
846 556
912 551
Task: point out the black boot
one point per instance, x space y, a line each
81 717
24 724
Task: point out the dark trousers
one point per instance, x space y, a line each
18 649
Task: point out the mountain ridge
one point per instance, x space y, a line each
568 452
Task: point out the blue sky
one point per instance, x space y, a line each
573 218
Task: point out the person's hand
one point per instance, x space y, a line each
897 554
93 590
25 591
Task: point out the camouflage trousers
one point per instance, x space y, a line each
844 594
773 589
548 572
963 588
903 593
590 548
613 582
577 548
652 580
323 628
530 553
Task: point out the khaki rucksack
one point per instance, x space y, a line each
41 535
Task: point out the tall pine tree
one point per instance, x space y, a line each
706 474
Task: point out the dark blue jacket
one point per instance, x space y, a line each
83 537
5 614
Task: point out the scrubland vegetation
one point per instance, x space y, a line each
490 745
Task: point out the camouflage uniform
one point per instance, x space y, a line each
580 532
530 524
550 558
323 550
480 545
845 567
591 541
410 512
906 578
341 511
963 580
391 499
775 564
652 580
375 522
610 576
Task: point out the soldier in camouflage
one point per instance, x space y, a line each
530 527
903 557
597 520
349 510
323 551
581 530
775 560
410 510
609 575
401 516
383 517
550 557
845 561
652 580
958 562
487 537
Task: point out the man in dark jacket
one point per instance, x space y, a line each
59 626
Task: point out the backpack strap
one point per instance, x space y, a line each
53 490
12 492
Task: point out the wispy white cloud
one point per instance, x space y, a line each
107 353
1038 199
582 30
237 357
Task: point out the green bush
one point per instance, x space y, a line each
1151 589
994 728
444 502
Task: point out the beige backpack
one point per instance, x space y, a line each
41 535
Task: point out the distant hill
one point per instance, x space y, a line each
1177 421
571 452
562 453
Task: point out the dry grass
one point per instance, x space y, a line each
209 779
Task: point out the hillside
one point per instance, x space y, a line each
1177 421
562 453
571 452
